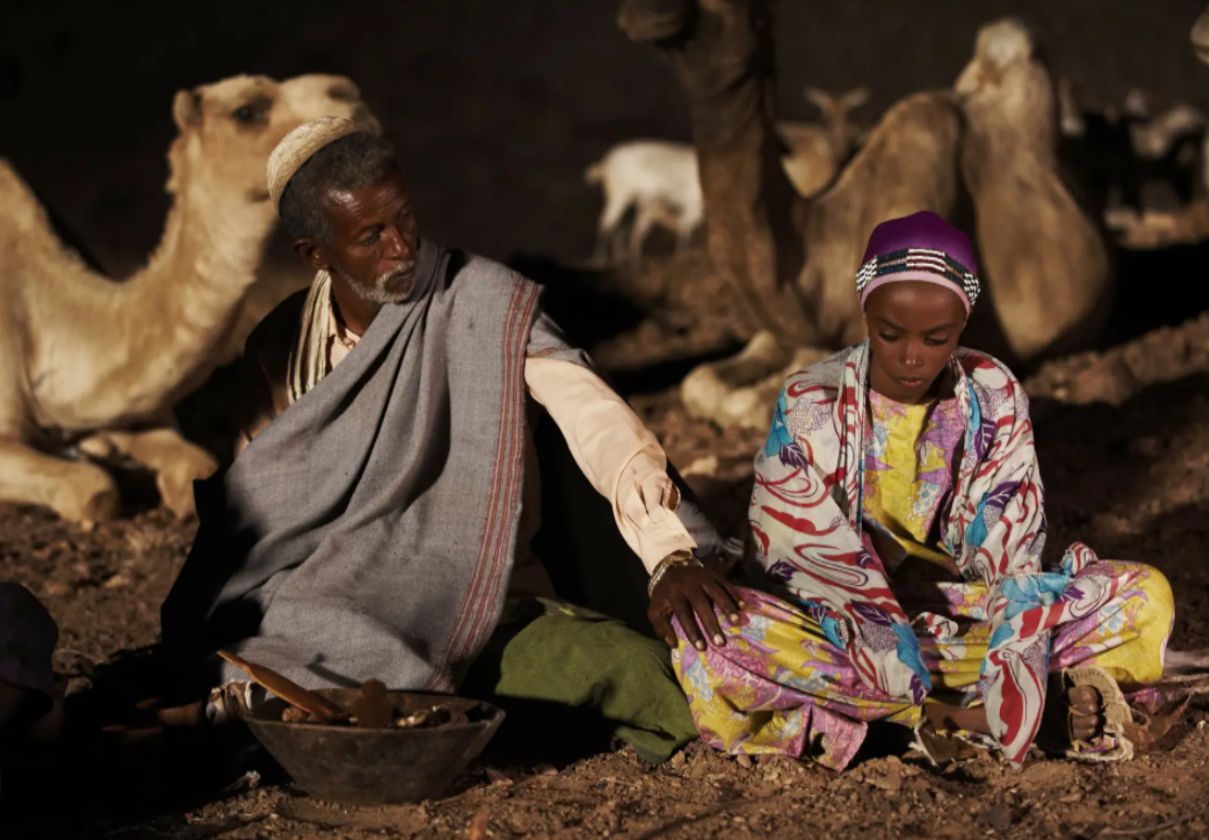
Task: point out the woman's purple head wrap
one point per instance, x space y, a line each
921 247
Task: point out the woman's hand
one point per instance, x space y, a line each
694 595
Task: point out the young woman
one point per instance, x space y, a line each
899 517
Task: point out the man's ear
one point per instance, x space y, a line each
312 253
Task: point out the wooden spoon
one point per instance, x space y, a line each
288 690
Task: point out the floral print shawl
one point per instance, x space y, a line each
806 519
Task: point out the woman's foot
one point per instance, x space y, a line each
1086 714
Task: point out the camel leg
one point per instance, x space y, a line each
741 392
176 462
78 491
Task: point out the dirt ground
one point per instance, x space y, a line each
504 110
1131 480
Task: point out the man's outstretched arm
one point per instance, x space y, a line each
625 463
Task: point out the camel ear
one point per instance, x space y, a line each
821 98
854 99
187 109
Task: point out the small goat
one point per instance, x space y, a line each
659 180
817 152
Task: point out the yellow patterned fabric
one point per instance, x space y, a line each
908 465
780 685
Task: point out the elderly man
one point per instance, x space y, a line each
376 522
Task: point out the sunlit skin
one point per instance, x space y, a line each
913 329
372 255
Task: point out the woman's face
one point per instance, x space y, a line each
913 329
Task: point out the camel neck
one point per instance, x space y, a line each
175 312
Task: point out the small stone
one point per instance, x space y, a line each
999 816
497 778
678 761
743 760
892 782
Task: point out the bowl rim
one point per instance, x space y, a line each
496 716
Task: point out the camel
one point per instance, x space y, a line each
1045 260
99 365
790 262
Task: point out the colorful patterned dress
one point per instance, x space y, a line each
904 547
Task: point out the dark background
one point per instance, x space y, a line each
496 106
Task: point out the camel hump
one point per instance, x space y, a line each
930 120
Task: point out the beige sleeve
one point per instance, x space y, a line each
618 454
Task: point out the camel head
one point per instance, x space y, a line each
1008 85
227 130
716 47
1200 36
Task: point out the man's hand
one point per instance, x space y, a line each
685 590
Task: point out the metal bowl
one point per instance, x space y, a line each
354 766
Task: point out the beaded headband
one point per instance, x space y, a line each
929 265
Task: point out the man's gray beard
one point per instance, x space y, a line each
381 292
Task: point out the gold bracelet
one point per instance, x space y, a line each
676 558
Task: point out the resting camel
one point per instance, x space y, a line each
791 262
100 364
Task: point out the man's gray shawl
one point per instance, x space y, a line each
370 529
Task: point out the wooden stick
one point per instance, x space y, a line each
288 690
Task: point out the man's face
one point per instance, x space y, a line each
375 240
913 330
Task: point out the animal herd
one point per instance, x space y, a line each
1127 157
657 182
91 370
